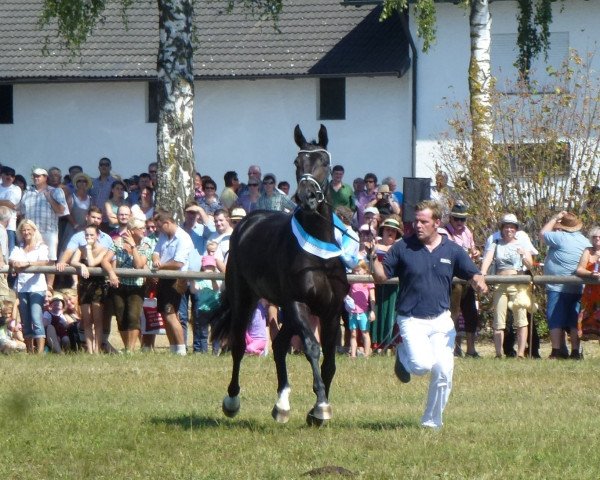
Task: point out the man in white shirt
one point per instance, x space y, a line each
10 196
172 252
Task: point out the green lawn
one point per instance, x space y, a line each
159 416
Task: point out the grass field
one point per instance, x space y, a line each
159 416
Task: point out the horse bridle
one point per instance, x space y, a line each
307 177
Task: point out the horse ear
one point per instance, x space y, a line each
323 139
299 137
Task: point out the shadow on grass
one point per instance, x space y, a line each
207 422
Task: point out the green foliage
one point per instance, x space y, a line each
76 20
534 19
544 158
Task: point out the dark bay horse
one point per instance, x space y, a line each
266 261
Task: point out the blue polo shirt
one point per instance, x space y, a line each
426 277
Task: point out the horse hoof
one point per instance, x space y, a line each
319 415
279 415
231 406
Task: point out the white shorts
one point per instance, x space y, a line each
51 240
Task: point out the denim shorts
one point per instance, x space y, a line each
562 309
358 321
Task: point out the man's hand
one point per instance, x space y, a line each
478 283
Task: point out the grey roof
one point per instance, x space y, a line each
316 38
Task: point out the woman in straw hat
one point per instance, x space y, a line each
589 268
508 257
562 234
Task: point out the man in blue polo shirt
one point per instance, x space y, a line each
425 264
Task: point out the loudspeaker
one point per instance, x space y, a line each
414 190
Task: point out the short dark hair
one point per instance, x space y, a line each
7 171
105 159
338 168
370 176
229 177
94 209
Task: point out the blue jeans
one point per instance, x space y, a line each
199 322
31 305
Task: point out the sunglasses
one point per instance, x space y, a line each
369 181
269 183
209 188
456 219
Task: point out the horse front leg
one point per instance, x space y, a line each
321 412
281 344
231 403
329 331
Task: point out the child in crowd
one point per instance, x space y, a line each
56 324
208 295
14 327
73 316
359 302
10 342
256 335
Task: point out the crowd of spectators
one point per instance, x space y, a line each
106 221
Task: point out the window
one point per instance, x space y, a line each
504 52
153 101
527 159
6 104
332 99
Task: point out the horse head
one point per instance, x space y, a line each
313 167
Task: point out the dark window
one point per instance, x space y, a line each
332 99
153 101
6 104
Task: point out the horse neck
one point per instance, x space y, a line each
319 224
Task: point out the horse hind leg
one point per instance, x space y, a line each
281 410
242 305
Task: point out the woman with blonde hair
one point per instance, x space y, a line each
30 287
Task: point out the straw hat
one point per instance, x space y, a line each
569 223
82 176
459 210
509 218
391 223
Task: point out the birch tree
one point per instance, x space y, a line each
75 21
534 18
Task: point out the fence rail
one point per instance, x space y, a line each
173 274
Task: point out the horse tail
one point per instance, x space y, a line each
220 320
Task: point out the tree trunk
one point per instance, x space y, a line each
175 128
480 84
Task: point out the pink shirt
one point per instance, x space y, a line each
464 239
360 294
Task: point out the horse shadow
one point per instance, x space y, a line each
206 422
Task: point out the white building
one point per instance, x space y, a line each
331 64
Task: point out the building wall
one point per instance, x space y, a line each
237 123
443 70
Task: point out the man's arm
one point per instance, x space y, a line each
550 225
378 271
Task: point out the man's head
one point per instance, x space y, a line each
144 180
221 218
458 217
370 182
153 172
192 213
441 180
391 183
165 222
104 166
40 178
337 174
123 215
8 175
231 180
74 170
94 216
428 217
54 176
254 172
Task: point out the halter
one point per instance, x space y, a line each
307 177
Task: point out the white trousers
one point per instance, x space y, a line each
427 346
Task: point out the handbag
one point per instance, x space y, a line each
151 321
